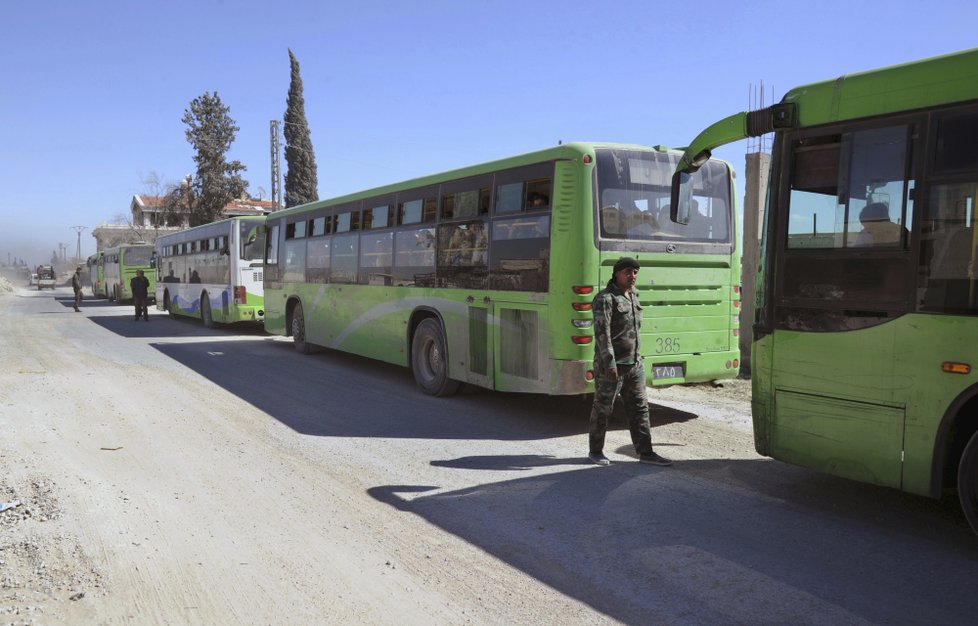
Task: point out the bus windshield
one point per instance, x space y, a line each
253 250
633 194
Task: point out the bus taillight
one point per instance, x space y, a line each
581 339
581 306
240 295
582 289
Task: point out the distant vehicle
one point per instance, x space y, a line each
45 277
213 272
32 280
96 271
120 265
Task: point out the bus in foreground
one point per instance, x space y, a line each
120 264
485 275
213 272
864 361
96 274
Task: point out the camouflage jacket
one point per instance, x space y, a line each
617 322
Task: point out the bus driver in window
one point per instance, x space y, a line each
877 230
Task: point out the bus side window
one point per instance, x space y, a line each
271 251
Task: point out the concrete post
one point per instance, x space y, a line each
755 195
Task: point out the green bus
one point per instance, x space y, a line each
485 274
867 305
96 274
213 272
120 264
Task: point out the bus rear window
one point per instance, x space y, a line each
633 198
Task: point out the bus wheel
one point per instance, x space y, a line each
968 482
205 311
299 331
428 362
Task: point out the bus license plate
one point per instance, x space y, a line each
668 370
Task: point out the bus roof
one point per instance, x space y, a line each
570 150
905 87
937 80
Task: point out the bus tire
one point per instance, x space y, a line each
968 482
429 360
205 311
299 330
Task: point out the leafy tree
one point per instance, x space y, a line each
300 179
179 202
210 130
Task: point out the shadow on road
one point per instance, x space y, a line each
165 326
694 544
337 394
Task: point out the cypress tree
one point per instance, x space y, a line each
300 179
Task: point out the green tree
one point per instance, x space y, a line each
179 202
300 179
211 131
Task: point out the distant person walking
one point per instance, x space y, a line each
140 292
76 284
618 365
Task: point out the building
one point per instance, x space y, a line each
147 215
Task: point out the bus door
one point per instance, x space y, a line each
463 264
480 332
519 270
846 281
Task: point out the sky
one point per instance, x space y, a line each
92 93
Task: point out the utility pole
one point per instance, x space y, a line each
758 160
276 169
78 229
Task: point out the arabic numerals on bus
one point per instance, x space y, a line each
666 345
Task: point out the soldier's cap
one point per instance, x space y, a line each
626 262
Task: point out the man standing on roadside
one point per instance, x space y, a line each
76 285
618 365
140 292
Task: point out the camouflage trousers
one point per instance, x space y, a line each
631 386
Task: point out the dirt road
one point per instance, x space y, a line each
170 474
143 501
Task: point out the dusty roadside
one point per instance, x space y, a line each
133 516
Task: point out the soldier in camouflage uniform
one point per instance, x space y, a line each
618 365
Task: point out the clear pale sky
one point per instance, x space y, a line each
91 93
